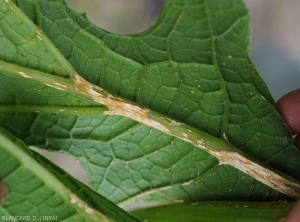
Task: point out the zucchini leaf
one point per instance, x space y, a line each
36 189
177 113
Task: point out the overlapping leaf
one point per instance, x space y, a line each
33 193
192 67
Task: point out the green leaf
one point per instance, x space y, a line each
174 114
25 44
28 189
217 211
134 161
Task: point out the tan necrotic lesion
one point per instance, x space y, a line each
3 192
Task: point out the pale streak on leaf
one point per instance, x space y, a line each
256 171
87 209
263 98
57 85
60 85
222 149
39 34
224 136
188 183
224 155
23 74
117 106
3 192
81 204
39 37
174 123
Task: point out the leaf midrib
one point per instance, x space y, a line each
218 147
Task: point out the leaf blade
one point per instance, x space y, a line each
222 41
25 44
224 151
44 193
219 130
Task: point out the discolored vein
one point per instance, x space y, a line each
219 148
218 130
226 153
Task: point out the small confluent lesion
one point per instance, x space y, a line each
3 192
263 98
23 74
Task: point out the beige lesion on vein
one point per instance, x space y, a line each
220 148
223 151
262 174
269 177
117 106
